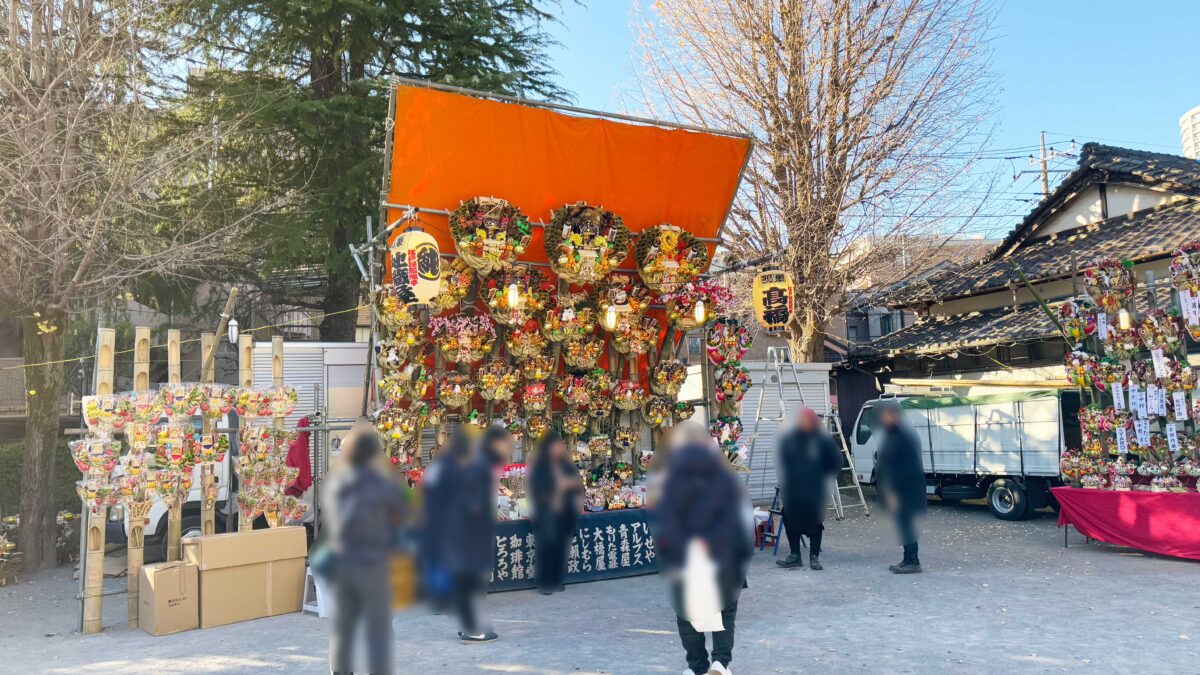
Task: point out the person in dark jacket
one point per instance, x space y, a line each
900 475
365 511
703 500
807 459
555 493
469 538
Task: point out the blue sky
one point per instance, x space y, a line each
1114 71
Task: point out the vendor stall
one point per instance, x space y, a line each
1166 523
543 265
1139 459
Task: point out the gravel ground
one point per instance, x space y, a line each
997 597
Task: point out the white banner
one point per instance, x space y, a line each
1118 394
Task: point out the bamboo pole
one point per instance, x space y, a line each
93 572
137 511
208 370
95 523
105 363
208 478
245 361
173 359
174 507
245 379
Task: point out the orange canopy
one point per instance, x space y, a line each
451 147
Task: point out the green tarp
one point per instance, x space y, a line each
928 403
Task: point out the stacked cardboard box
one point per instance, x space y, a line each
248 575
168 598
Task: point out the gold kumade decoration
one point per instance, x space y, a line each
584 243
490 233
668 257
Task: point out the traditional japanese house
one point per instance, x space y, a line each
981 327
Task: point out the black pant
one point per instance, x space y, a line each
803 518
552 536
906 526
693 642
466 588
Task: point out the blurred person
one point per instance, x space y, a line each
555 493
807 458
900 476
365 511
700 520
434 574
468 539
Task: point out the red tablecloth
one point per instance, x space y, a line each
1159 522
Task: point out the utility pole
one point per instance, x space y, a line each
1043 163
1045 173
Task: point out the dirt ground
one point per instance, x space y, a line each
996 597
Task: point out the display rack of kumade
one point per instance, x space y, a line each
1140 448
584 349
149 445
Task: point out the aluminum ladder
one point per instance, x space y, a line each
778 361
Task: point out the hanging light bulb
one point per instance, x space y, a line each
610 318
1124 320
699 312
514 296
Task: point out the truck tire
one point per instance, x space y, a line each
1007 499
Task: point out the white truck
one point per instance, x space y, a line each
1005 447
328 377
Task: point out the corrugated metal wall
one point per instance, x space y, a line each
303 368
812 392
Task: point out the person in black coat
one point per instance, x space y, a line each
702 499
467 485
807 459
555 493
900 475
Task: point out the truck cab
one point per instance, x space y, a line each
1003 447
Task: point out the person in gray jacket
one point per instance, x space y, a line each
366 511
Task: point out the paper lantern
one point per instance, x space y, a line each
416 267
774 299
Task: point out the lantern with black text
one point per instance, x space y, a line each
774 299
416 267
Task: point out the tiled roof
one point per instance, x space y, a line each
1156 167
1136 236
936 334
1106 163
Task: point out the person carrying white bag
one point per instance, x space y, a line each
704 542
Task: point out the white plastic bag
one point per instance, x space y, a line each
701 596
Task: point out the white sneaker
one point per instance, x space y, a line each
718 668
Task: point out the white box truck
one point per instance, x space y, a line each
1005 447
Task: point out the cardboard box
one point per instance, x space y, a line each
248 575
168 598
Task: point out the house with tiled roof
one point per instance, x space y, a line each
981 323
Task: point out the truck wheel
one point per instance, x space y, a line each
1007 500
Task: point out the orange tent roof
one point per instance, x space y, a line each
450 147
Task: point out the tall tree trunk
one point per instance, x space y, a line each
342 292
806 338
43 391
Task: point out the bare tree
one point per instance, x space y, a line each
868 115
97 179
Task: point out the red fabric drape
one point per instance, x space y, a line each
298 457
1160 522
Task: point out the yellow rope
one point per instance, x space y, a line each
73 359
